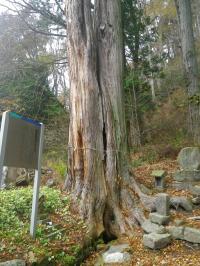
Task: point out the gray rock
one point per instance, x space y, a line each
4 177
156 241
50 182
162 204
187 175
21 182
182 202
150 227
177 232
13 263
195 190
116 254
158 218
181 185
192 235
189 158
196 200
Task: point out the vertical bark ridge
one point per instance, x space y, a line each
86 175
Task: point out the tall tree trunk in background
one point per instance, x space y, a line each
98 176
133 116
132 120
190 63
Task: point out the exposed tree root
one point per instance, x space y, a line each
122 215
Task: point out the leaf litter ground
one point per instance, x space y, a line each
178 252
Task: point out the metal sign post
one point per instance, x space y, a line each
36 187
3 137
21 145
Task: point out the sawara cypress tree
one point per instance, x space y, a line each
98 176
184 13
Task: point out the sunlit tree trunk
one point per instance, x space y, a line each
98 176
190 63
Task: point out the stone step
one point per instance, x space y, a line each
158 218
150 227
192 235
177 232
185 233
156 241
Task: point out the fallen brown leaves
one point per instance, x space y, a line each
179 252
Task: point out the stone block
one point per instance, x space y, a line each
192 235
150 227
50 182
156 241
13 263
181 185
158 218
116 254
21 182
182 202
187 175
189 158
196 201
195 190
162 204
177 232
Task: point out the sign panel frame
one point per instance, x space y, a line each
6 121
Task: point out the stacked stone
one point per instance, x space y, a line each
157 236
186 233
189 174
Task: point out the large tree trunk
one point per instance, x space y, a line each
190 63
98 175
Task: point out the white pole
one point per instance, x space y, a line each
3 137
36 187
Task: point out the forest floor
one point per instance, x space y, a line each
178 252
59 233
65 247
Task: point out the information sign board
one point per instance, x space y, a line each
21 144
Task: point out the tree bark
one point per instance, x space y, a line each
98 176
191 67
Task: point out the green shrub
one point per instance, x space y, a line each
15 205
